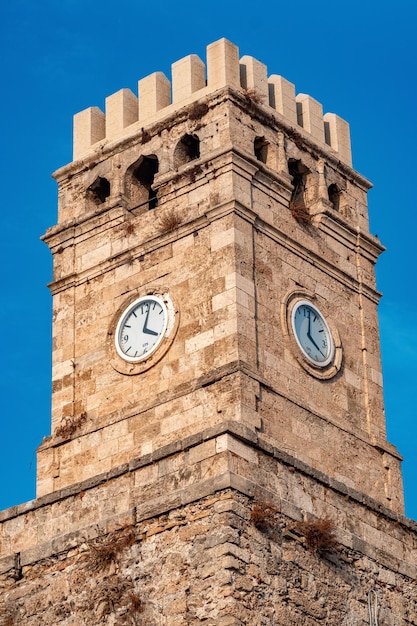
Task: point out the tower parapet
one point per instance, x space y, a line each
125 113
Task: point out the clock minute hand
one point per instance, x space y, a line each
145 329
309 334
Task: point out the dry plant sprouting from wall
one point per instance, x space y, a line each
169 221
104 551
113 595
300 212
263 516
115 592
318 534
136 604
129 228
146 136
253 95
69 425
298 209
198 111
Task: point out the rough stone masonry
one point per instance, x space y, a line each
225 478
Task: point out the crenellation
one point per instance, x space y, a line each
127 115
310 115
188 76
122 109
337 135
89 128
253 77
282 97
222 65
154 94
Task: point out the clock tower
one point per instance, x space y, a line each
213 267
218 450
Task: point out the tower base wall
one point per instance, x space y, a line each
217 530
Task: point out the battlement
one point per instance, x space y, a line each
191 80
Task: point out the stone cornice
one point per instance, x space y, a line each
155 505
107 218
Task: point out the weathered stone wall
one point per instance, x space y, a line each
170 539
208 563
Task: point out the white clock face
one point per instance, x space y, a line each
312 334
141 328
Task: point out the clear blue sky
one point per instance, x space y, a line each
358 58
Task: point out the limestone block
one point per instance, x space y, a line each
226 329
224 299
105 450
203 451
235 279
154 94
222 65
230 549
253 76
222 239
376 377
244 300
89 127
62 369
200 341
282 97
353 379
146 475
337 134
95 256
184 420
121 111
227 442
188 76
213 468
310 115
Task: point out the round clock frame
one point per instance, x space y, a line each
312 333
141 328
141 332
314 341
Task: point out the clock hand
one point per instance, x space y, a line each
309 334
308 331
148 331
312 341
319 349
145 329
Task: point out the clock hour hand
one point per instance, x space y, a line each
148 331
145 329
309 334
319 349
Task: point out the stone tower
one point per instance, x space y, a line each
218 451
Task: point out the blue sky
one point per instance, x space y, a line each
357 58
